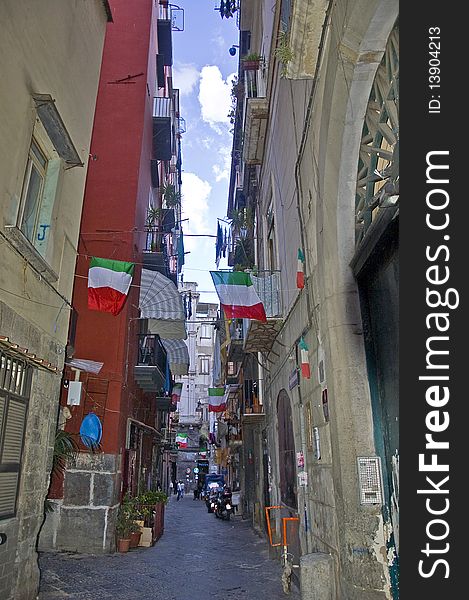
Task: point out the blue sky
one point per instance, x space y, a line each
202 71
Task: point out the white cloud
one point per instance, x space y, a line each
223 168
214 97
195 207
185 77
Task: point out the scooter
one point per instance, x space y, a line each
223 507
210 501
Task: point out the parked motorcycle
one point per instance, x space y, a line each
211 499
224 507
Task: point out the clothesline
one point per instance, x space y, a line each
148 231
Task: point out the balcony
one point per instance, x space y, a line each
235 348
162 133
157 259
150 370
164 403
257 112
259 336
165 39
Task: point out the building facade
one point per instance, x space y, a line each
50 72
122 364
317 226
194 419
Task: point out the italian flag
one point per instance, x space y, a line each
305 368
181 439
216 399
300 271
176 393
108 284
238 297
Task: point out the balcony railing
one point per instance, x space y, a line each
260 336
151 351
235 349
267 285
162 134
162 107
150 370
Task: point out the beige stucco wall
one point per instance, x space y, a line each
55 50
48 47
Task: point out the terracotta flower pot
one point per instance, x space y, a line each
123 545
135 539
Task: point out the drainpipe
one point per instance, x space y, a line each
310 309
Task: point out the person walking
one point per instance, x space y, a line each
180 490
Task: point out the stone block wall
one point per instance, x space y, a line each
84 520
19 573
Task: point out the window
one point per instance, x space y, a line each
40 185
286 443
15 381
205 331
270 230
33 189
51 153
232 368
204 365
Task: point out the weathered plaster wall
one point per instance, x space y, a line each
55 50
338 524
20 574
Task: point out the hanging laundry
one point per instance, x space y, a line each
225 243
219 244
180 251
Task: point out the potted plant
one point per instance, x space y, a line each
251 62
171 197
135 534
283 52
124 526
150 507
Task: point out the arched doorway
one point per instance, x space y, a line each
286 452
376 268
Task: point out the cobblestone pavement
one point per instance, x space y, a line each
199 557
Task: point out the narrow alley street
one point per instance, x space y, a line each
198 557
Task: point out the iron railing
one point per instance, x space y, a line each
267 285
151 351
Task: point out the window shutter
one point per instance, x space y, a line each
13 413
8 487
14 432
2 409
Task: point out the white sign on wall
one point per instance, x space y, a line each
74 393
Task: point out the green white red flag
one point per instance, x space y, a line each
181 440
300 271
108 284
238 296
216 399
176 393
305 368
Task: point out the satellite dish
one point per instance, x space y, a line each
91 430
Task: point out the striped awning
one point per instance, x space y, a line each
161 303
178 356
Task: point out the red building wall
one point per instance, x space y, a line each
114 210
